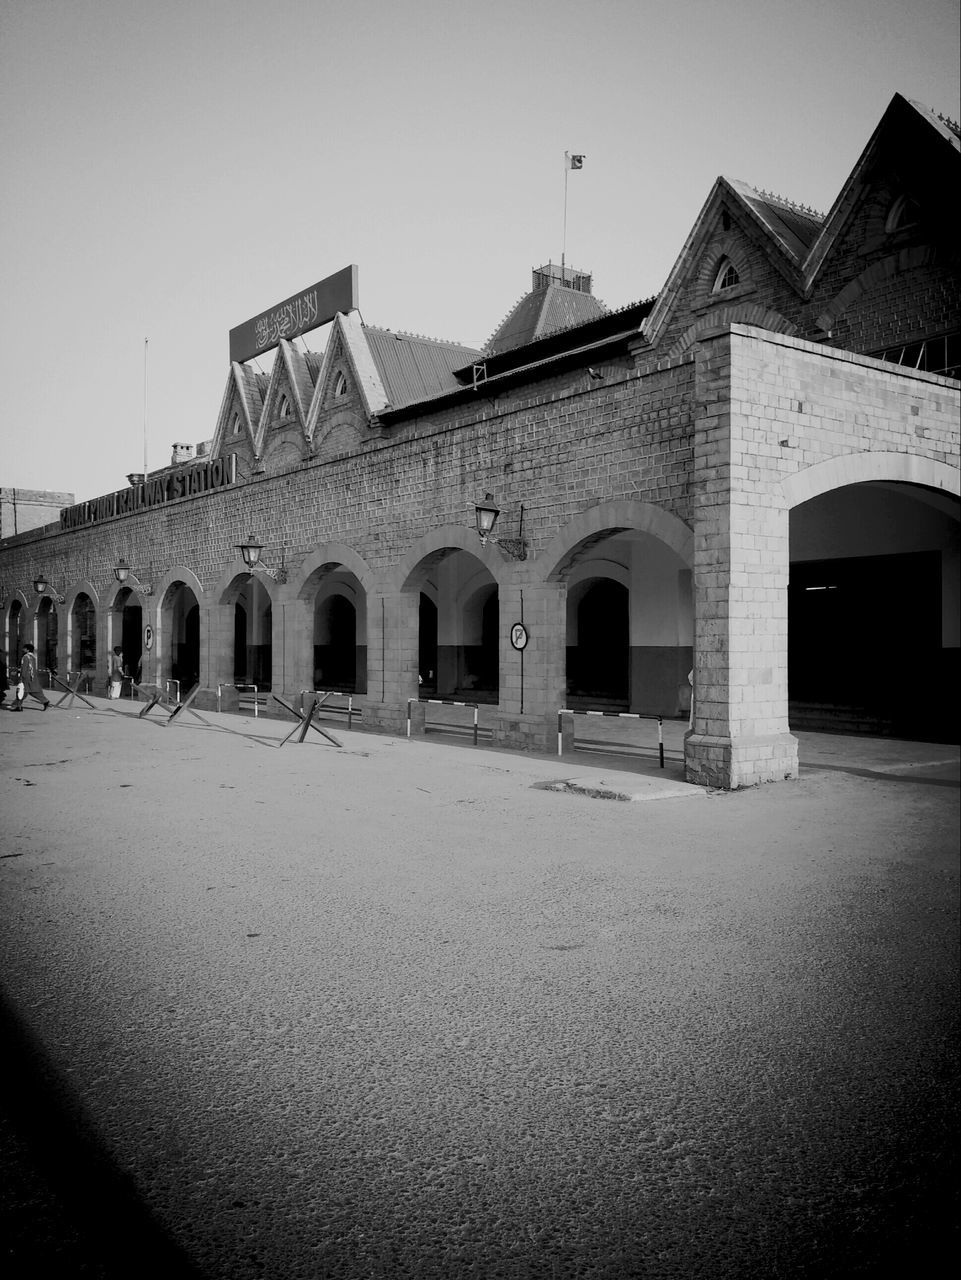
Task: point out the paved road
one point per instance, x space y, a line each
402 1010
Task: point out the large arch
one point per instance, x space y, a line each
452 584
326 553
599 522
856 468
438 542
625 567
177 654
873 634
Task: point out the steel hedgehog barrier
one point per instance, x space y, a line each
617 715
440 702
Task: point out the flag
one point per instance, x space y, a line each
574 162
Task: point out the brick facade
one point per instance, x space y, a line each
659 454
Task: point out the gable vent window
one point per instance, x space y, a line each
235 425
340 385
283 409
727 276
905 212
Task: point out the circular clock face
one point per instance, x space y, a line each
519 636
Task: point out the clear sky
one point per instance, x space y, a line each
171 168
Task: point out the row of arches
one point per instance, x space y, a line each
871 612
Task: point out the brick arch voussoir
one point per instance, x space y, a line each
84 588
432 547
335 554
608 518
735 313
179 573
884 269
858 468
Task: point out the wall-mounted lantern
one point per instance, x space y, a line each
41 584
485 515
121 571
251 551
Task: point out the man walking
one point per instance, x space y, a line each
29 680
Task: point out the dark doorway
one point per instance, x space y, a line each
864 645
427 646
598 665
335 660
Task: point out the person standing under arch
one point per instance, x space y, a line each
116 673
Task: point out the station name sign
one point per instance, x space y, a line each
185 482
309 309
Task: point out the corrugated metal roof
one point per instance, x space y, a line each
413 368
544 311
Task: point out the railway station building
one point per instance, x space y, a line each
752 476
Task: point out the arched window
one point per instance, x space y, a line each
340 384
235 425
727 276
905 212
283 408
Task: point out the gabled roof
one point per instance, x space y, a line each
247 388
544 311
414 368
923 141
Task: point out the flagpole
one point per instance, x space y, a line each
146 342
567 167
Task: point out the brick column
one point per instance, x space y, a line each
532 689
740 735
293 651
392 651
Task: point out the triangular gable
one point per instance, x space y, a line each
243 401
347 350
752 215
917 136
289 378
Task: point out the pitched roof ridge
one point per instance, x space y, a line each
420 337
937 115
808 211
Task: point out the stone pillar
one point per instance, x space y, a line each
532 681
392 650
294 644
740 735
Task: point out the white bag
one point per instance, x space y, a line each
20 691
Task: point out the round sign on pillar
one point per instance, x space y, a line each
519 636
148 638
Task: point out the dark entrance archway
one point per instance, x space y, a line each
598 644
128 631
48 629
83 638
180 621
873 611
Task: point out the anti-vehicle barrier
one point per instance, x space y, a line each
620 715
441 702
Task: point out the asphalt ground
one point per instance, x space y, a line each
418 1009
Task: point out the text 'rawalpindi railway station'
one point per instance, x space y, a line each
753 475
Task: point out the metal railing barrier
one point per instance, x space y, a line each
441 702
321 696
620 715
168 686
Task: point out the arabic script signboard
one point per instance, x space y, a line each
307 310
